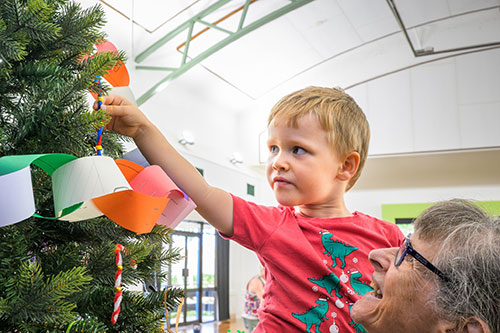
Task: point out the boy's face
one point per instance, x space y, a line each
302 166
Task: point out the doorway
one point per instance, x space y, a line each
195 272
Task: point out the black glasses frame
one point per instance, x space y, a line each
407 248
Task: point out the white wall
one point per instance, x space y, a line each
370 201
443 105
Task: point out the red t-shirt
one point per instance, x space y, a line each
315 268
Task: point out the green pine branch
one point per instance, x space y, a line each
29 296
56 274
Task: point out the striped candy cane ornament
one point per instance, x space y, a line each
118 282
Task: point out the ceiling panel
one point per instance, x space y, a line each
371 19
462 6
228 17
264 58
325 27
460 31
152 14
417 12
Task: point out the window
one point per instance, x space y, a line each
250 189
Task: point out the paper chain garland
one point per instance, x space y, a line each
83 188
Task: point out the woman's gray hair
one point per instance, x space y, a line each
469 254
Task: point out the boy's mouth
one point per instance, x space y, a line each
280 181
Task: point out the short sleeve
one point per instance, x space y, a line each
253 224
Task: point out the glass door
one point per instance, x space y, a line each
195 273
185 273
209 294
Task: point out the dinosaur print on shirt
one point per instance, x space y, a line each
314 316
336 249
360 287
330 282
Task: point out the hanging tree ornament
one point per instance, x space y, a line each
118 283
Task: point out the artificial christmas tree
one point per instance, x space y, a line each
56 275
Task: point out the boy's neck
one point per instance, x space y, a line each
325 211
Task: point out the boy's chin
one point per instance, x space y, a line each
285 202
285 198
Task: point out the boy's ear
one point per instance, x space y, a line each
349 166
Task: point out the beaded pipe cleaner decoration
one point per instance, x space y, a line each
99 104
118 282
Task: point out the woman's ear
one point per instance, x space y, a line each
471 325
476 325
349 166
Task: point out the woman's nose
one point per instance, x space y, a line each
382 259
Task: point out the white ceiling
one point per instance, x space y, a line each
306 38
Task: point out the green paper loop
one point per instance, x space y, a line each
47 162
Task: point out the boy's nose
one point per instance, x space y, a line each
279 162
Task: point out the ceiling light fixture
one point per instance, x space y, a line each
186 138
236 158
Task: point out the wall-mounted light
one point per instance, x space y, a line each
186 138
236 158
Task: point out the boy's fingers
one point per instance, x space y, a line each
115 100
114 110
112 100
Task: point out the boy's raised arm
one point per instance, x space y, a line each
214 204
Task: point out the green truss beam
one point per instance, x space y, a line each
188 25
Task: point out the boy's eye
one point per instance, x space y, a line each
273 149
298 150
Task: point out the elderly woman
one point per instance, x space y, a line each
444 278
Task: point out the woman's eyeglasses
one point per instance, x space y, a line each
407 248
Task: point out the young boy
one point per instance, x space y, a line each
316 257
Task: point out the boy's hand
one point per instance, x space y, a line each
126 118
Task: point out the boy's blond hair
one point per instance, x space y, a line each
338 114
